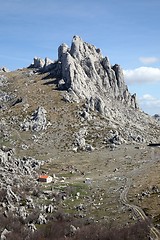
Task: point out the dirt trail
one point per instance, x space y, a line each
137 211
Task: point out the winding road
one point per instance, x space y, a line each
138 212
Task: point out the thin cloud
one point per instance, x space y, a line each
150 101
148 60
142 75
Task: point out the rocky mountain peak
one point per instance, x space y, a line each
86 74
81 50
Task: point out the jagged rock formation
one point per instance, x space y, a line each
11 167
38 62
12 172
86 74
89 75
17 174
43 64
80 142
37 122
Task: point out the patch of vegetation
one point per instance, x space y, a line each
76 187
60 229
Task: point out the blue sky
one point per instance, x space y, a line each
127 32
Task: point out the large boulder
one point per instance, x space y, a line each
48 65
37 121
37 63
4 234
4 69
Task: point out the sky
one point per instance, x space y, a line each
126 31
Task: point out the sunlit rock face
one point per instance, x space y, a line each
89 75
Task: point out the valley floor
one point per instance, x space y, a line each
101 176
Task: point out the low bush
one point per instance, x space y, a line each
59 229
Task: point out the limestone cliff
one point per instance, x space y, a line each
86 74
88 78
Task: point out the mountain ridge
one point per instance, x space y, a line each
82 70
84 75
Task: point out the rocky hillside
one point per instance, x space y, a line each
54 109
86 76
79 101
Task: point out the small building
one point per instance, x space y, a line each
45 178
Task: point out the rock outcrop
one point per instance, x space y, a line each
157 117
4 69
84 72
11 167
86 77
44 65
37 122
38 62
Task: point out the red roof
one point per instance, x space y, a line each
44 176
